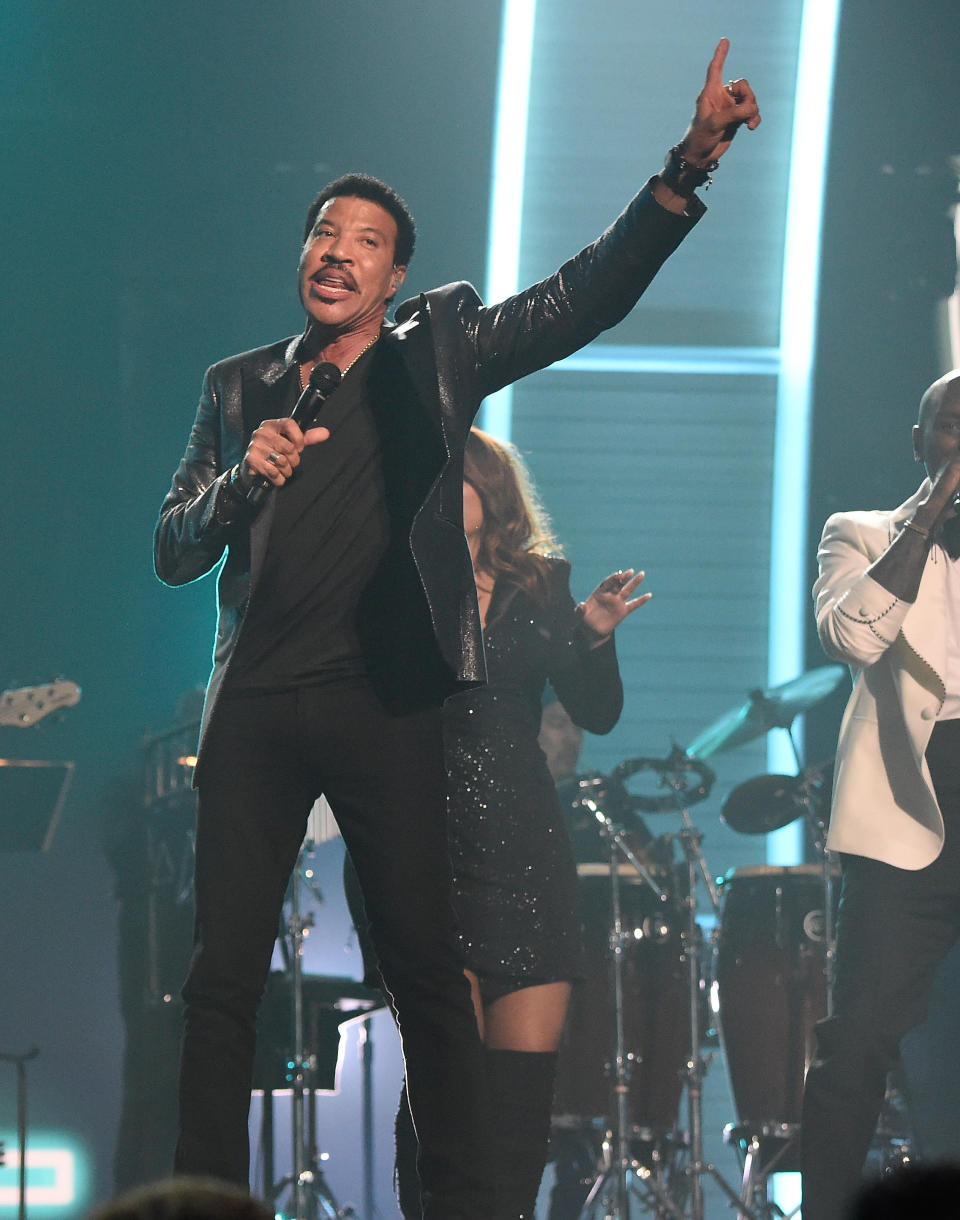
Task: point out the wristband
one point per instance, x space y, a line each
677 167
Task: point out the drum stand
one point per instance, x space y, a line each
813 799
621 1174
310 1195
690 840
672 772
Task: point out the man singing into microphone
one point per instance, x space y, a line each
347 613
888 604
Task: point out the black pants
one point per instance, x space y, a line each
266 760
895 927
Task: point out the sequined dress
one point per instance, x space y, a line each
515 879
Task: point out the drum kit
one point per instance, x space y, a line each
662 988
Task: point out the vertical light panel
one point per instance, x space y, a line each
789 595
953 302
506 188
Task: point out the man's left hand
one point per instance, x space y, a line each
720 110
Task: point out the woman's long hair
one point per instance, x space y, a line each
516 533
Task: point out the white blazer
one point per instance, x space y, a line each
884 805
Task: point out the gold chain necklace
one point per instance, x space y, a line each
344 372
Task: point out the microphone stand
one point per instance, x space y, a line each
21 1065
311 1196
302 1178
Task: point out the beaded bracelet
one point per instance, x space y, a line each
676 166
917 529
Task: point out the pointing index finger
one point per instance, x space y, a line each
715 67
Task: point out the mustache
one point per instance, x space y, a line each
333 269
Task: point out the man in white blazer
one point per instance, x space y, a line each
888 604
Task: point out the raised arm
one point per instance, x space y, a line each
900 567
864 590
583 665
857 618
598 287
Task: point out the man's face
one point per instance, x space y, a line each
937 440
346 273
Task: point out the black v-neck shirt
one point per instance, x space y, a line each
329 532
339 594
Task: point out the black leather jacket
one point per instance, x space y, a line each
455 351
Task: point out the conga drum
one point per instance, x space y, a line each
770 975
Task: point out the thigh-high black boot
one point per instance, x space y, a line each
521 1095
520 1085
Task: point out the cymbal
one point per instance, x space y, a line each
774 708
769 802
762 804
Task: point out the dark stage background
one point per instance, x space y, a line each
157 163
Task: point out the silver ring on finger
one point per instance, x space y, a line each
274 457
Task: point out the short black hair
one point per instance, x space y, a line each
364 186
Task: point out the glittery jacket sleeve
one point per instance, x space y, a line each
587 295
587 680
481 348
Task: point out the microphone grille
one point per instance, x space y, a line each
324 377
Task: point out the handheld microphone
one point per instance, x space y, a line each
323 380
956 500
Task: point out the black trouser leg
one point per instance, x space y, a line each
842 1099
406 1180
254 801
391 809
894 928
268 757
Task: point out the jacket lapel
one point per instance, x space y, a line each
264 392
410 339
265 395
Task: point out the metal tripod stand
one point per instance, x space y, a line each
621 1175
311 1197
698 1065
627 1175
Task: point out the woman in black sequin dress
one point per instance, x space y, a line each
515 878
